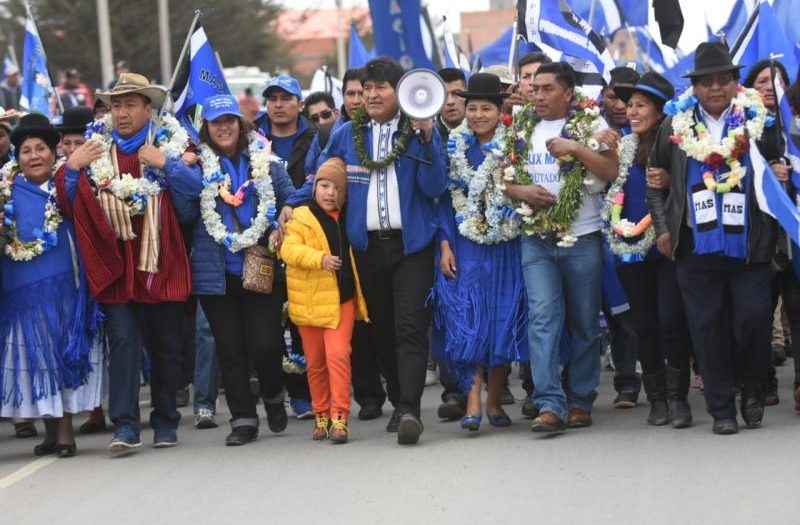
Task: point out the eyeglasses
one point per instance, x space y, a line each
720 80
326 114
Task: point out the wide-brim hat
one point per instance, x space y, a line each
35 125
483 86
502 72
712 57
74 120
650 83
130 83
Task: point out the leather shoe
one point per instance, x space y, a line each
452 408
724 427
409 430
547 422
277 419
394 421
579 418
370 411
241 436
752 409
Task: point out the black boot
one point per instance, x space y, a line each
677 392
655 387
752 408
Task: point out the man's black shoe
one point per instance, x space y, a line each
276 416
241 436
725 427
752 409
370 411
452 408
394 421
529 409
409 430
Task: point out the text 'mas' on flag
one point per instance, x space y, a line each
199 78
36 85
554 24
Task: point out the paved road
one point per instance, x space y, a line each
618 471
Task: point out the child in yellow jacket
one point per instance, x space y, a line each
324 297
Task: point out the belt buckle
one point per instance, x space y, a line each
385 235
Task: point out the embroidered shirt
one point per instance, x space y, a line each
383 199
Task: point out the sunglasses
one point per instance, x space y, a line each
321 115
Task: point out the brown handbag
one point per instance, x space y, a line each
258 271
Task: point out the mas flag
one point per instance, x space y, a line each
358 51
552 23
199 78
36 85
762 37
452 56
397 27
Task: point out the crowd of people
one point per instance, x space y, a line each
326 254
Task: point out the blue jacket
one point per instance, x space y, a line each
419 184
207 257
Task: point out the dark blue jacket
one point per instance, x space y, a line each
419 184
207 257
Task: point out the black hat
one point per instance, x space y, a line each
623 76
712 57
74 120
483 86
35 125
651 83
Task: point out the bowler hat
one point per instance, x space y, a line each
712 57
483 86
74 120
651 83
34 125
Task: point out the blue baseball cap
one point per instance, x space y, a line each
286 83
217 106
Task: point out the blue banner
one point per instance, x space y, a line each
763 37
498 51
398 34
36 86
358 51
199 80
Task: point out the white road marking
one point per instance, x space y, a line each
28 470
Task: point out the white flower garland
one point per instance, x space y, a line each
213 180
17 249
701 146
477 195
616 239
126 186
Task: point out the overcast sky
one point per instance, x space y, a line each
695 13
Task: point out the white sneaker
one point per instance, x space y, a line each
204 419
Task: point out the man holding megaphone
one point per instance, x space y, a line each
394 174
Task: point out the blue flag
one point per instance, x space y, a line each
36 85
763 36
498 51
199 79
553 23
786 13
358 51
398 32
648 51
736 22
452 56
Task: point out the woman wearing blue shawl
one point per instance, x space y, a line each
50 358
480 312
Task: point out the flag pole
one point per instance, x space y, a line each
774 72
49 79
177 69
513 53
740 39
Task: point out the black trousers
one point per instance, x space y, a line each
188 349
728 307
368 367
162 329
396 287
247 329
296 384
658 315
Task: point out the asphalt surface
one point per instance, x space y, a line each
619 471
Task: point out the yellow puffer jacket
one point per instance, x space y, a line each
313 292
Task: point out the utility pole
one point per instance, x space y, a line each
341 62
106 52
164 40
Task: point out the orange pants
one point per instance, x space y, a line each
327 353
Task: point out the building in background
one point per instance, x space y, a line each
480 28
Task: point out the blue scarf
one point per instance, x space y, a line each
719 220
234 262
134 142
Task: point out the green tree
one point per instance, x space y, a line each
238 30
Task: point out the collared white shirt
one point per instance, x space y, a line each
383 198
716 127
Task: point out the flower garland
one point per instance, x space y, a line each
747 118
617 229
364 157
583 118
172 139
46 238
294 364
215 184
482 212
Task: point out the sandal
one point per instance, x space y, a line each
45 449
65 451
25 430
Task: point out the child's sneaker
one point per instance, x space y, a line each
339 432
322 427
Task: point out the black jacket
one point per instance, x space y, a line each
340 247
668 207
295 164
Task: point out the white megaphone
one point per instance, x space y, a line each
421 94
